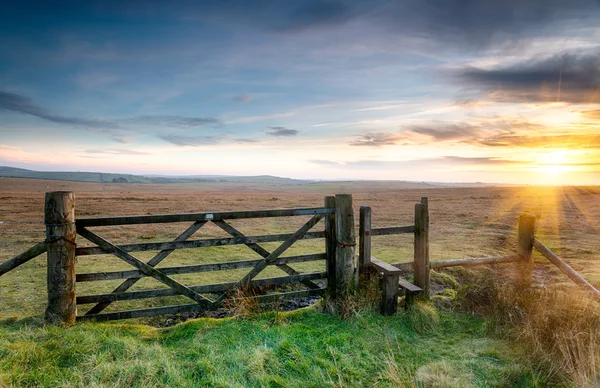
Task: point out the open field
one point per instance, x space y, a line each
465 222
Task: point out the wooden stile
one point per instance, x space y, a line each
421 246
59 217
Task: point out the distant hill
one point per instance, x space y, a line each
101 177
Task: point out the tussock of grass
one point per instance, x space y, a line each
559 327
308 349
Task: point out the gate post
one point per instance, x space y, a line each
59 217
525 248
421 260
345 245
330 245
364 244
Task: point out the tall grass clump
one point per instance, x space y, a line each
559 327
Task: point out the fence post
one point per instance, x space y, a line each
364 244
59 217
330 245
421 250
345 245
525 247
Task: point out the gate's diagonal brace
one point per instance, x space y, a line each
145 268
261 251
272 257
160 256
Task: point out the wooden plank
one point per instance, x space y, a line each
408 286
158 246
364 243
145 268
261 251
203 289
269 260
185 217
392 230
22 258
565 268
382 266
471 261
160 256
389 300
191 307
97 276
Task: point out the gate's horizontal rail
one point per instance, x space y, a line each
215 242
392 230
164 218
128 274
469 261
203 289
193 307
23 258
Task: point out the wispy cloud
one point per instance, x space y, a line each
115 151
20 104
281 132
377 139
243 98
184 122
322 162
193 141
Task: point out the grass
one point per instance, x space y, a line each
302 348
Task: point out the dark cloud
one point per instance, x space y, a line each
282 131
191 140
114 151
377 139
184 122
245 140
20 104
243 98
571 78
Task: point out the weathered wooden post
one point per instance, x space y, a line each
330 245
421 254
525 248
364 244
345 245
59 217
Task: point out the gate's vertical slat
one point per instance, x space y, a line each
364 243
421 246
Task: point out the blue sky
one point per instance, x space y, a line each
410 90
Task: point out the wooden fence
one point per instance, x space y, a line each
339 256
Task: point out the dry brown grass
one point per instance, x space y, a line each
559 327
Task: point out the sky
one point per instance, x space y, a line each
421 90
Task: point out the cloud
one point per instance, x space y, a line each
282 131
243 98
183 122
191 140
115 151
592 114
245 140
20 104
566 141
377 139
444 132
325 162
573 78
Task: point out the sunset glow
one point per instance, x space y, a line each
321 90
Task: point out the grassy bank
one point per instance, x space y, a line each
303 348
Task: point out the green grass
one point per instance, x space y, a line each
302 348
